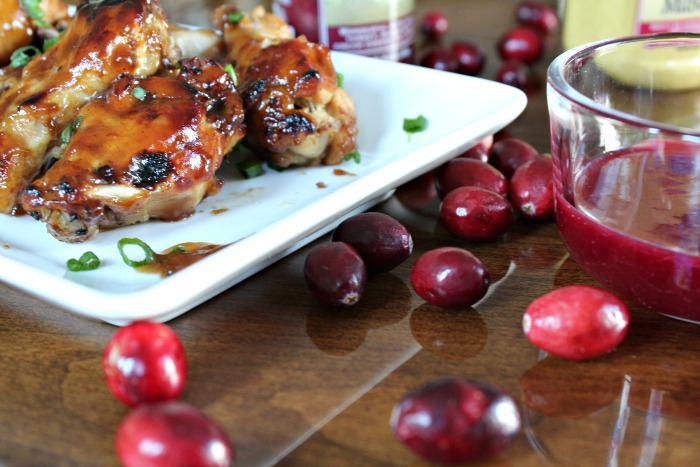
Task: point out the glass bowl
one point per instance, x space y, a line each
625 129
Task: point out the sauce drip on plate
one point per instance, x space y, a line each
178 257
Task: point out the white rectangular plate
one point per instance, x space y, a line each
267 217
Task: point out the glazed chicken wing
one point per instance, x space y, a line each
295 111
18 28
146 149
105 39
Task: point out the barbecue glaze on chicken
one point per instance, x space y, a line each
104 40
18 29
148 148
295 112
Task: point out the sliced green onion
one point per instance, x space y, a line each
232 73
276 168
21 56
35 12
50 42
149 255
234 17
87 262
139 93
178 249
355 156
250 168
67 132
341 79
415 125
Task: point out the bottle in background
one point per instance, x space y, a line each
374 28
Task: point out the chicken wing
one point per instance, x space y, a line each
19 23
295 111
105 39
148 148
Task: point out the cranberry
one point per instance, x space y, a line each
450 277
382 241
434 25
521 43
464 171
172 434
480 151
517 74
477 153
419 194
508 154
538 16
335 274
576 322
439 59
456 420
531 188
144 362
470 59
475 214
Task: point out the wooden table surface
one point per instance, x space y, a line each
297 384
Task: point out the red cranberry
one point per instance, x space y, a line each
382 241
531 188
463 171
475 214
538 16
576 322
335 274
450 277
419 194
508 154
456 420
517 74
470 59
439 59
172 434
521 43
480 151
144 362
434 25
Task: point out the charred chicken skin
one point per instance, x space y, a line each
105 39
295 112
148 148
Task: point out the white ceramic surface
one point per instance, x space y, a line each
267 217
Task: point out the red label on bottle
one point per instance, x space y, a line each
390 40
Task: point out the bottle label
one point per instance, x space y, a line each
391 40
654 16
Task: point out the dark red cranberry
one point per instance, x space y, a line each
470 59
456 420
508 154
464 171
172 434
531 188
576 322
475 214
144 362
382 241
517 74
419 194
439 59
521 43
335 274
450 277
537 15
434 25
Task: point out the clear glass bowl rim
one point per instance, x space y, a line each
558 83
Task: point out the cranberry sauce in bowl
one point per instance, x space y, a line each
626 153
